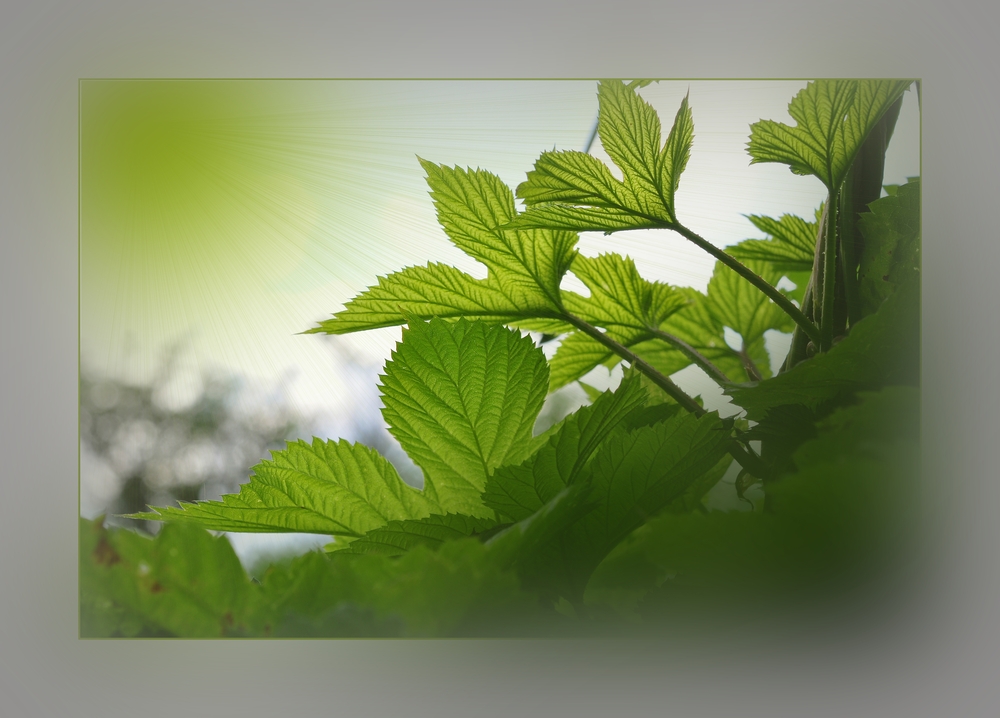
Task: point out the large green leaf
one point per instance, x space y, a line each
521 490
573 191
326 487
462 398
458 589
635 475
186 583
833 118
790 247
525 267
892 242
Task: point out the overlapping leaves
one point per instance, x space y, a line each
697 319
187 583
833 119
461 397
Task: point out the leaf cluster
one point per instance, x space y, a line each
607 517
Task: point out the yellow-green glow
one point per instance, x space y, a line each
238 213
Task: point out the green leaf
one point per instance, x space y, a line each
892 242
462 398
837 518
630 134
472 206
576 355
833 118
184 582
881 348
635 475
525 267
622 302
438 290
573 191
737 304
460 589
620 299
326 487
398 537
573 177
521 490
790 247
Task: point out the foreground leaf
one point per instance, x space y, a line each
326 487
184 583
635 476
462 399
521 490
840 518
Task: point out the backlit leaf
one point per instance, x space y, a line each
462 398
790 247
572 191
833 118
326 487
635 475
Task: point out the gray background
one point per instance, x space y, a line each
934 654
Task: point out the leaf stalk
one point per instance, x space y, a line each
745 458
755 279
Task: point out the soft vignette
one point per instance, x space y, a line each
49 46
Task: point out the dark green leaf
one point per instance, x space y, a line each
519 491
892 243
398 537
184 583
881 349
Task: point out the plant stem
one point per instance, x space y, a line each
753 373
693 354
664 382
745 458
773 294
829 287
